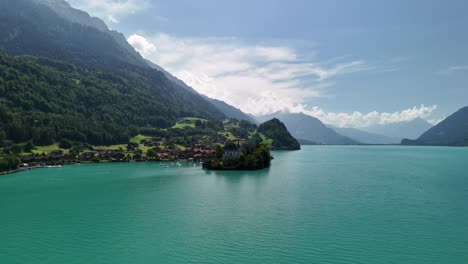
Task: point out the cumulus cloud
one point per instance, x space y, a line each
262 79
358 119
141 44
111 10
258 79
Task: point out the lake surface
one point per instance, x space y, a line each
317 205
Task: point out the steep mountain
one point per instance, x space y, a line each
309 128
47 100
365 137
453 131
171 77
231 111
64 9
31 28
277 131
88 73
228 110
67 12
410 129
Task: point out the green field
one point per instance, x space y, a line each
112 147
228 135
137 139
266 140
181 124
48 149
187 122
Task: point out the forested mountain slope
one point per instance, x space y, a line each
282 140
47 100
80 81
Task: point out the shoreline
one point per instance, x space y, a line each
23 169
3 173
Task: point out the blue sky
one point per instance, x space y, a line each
349 63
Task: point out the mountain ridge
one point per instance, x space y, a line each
309 128
231 111
66 11
408 129
227 109
365 137
281 137
452 131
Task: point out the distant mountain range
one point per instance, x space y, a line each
306 142
453 131
365 137
309 129
410 129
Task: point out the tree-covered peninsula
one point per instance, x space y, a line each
279 134
254 153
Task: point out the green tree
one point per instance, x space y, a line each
151 154
246 124
28 147
16 149
65 144
219 151
9 162
2 137
250 162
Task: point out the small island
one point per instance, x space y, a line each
250 156
253 154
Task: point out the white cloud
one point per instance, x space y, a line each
112 19
258 79
436 121
262 79
358 119
141 44
111 10
453 69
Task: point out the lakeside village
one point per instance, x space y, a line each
236 147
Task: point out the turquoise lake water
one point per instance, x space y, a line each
317 205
